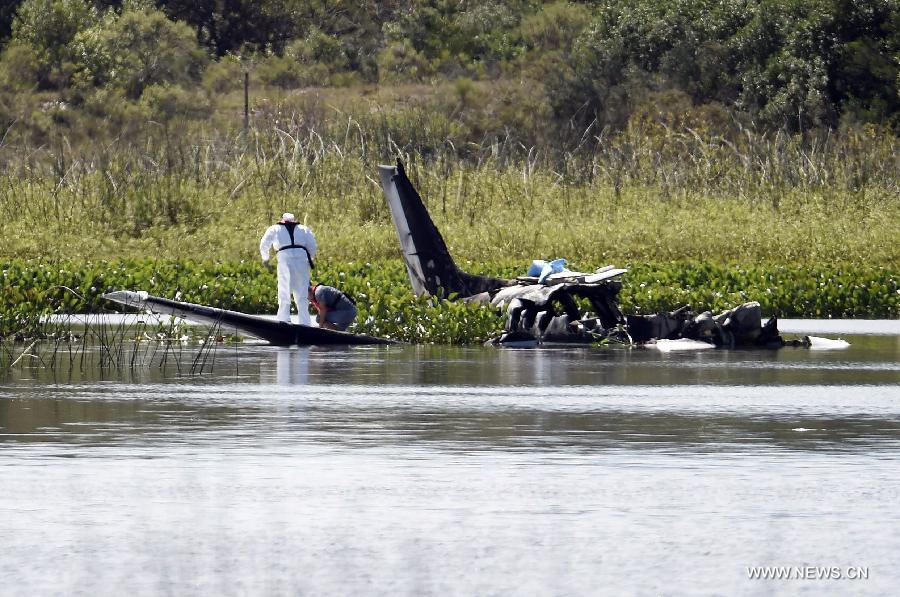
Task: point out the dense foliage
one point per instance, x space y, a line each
775 63
387 307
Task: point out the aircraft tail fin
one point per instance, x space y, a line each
428 262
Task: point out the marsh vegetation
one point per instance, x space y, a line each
703 147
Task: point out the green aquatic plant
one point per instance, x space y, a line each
388 308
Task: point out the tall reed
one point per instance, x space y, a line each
649 191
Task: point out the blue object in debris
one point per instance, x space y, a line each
554 267
537 266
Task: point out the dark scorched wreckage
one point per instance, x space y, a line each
547 312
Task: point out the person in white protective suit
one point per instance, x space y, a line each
295 246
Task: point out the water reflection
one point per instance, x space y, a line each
291 366
475 398
872 360
387 470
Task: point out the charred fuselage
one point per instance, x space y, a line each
549 310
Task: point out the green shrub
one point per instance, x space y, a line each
792 65
780 65
280 71
317 47
345 79
140 48
165 102
50 28
400 62
286 73
224 76
555 27
20 68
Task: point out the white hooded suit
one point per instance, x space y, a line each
293 265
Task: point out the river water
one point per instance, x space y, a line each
454 471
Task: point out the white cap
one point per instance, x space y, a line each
288 217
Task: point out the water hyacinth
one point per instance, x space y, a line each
388 308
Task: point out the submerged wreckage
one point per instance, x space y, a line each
274 332
544 307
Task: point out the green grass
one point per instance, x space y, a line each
486 212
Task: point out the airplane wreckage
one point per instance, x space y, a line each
274 332
543 308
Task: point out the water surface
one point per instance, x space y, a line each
436 470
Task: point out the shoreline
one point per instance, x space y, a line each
856 327
387 307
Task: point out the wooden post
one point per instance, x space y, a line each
246 101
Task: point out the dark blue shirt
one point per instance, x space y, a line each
332 299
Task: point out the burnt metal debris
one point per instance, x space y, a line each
274 332
551 312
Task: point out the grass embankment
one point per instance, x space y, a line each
807 225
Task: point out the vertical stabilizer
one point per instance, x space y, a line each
428 262
407 244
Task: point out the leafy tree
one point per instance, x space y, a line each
548 37
446 33
802 61
793 63
863 76
486 31
229 25
48 28
139 48
271 26
781 63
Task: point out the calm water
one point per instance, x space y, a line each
433 471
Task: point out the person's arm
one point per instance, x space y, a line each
310 243
320 302
265 244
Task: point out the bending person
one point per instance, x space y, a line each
336 310
295 246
